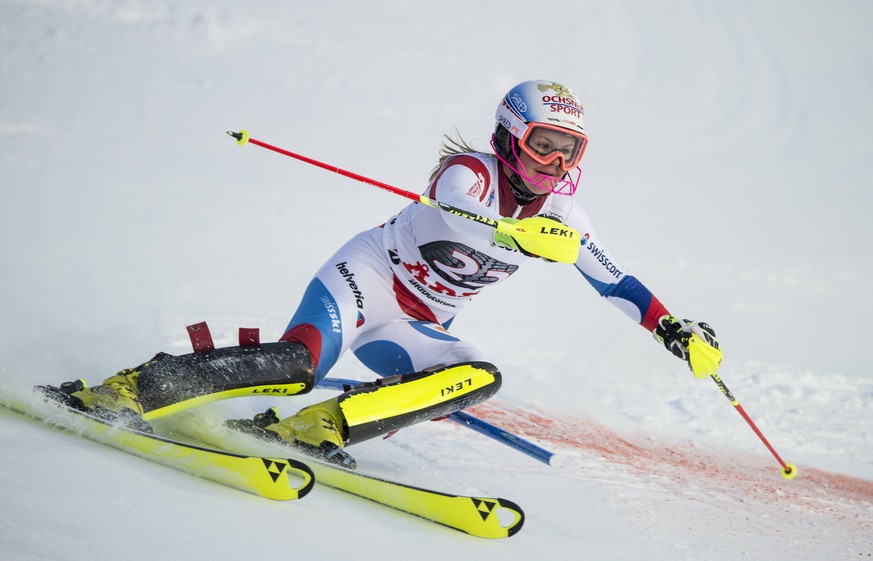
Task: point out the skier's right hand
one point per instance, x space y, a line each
505 240
538 236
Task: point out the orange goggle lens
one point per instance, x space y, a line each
544 143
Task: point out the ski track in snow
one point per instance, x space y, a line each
694 473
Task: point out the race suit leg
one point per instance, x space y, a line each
351 304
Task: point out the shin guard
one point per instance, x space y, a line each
393 403
168 383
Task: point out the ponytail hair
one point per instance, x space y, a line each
452 147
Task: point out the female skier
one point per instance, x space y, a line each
391 293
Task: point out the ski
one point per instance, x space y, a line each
484 517
271 477
267 477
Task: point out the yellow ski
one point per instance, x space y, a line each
273 478
484 517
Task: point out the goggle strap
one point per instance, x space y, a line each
516 127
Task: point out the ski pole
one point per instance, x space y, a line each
504 437
242 138
789 471
473 423
539 235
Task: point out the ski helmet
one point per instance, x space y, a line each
525 112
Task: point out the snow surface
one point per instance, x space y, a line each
729 168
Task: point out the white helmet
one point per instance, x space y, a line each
530 108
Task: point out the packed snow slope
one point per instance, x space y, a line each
729 168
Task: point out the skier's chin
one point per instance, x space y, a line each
543 184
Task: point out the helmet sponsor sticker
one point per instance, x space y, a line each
517 102
559 99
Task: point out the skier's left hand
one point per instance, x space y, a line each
692 341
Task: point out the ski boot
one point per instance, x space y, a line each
314 430
115 400
68 395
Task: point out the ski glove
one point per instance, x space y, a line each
692 341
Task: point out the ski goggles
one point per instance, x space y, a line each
545 143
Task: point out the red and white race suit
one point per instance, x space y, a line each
391 293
